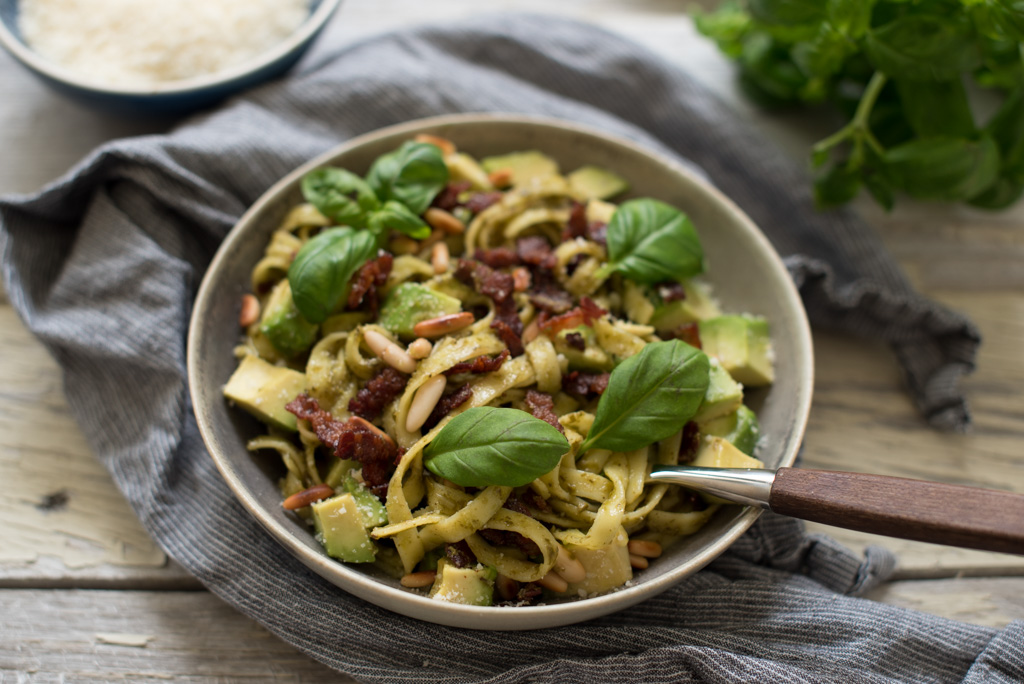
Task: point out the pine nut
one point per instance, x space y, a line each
420 348
418 580
443 220
638 562
389 352
520 279
442 325
307 497
370 426
250 312
508 588
647 549
531 331
568 567
500 178
424 402
554 582
440 258
447 146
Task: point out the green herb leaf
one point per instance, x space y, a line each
322 270
396 216
936 108
650 396
487 446
944 168
788 12
922 47
651 242
413 175
838 185
340 195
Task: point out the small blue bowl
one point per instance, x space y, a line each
173 96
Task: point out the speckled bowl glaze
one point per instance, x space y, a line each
175 96
746 272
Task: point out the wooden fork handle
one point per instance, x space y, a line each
969 517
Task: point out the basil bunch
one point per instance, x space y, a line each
651 242
650 396
897 70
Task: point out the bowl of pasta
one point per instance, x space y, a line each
447 354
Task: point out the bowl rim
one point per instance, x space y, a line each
452 614
313 23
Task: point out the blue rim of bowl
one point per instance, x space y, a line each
313 23
453 614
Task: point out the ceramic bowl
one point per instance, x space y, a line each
747 275
173 96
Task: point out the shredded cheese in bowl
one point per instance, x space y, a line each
131 43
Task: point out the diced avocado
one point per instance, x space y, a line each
462 167
526 167
599 211
696 306
715 452
607 568
263 389
410 303
340 528
723 396
470 586
591 357
282 324
370 508
740 428
742 345
593 182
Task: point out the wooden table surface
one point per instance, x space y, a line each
85 593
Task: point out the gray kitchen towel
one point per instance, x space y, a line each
103 266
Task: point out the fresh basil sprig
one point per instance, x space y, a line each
413 175
651 242
396 216
650 396
487 446
340 195
322 270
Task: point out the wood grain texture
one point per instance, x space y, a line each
933 512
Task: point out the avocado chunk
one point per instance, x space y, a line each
371 510
340 528
282 324
462 167
593 182
264 389
742 345
741 429
526 167
470 586
723 396
607 568
411 303
696 306
591 357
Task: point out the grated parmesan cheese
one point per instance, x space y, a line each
133 43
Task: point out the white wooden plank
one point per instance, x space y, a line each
988 602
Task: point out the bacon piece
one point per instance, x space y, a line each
499 257
576 226
535 250
481 364
506 330
528 593
576 341
499 287
350 439
584 314
585 385
547 295
671 292
690 444
446 404
378 392
459 554
448 198
370 276
541 405
482 200
688 333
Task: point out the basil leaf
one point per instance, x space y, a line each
396 216
340 195
651 242
788 12
937 108
413 175
650 396
487 446
944 168
322 270
922 47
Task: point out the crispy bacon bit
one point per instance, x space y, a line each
509 538
534 500
579 227
547 295
459 554
446 404
585 385
378 392
688 333
349 439
482 200
499 257
528 593
584 314
576 341
448 198
481 364
507 333
671 292
498 286
535 250
541 405
370 276
691 442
